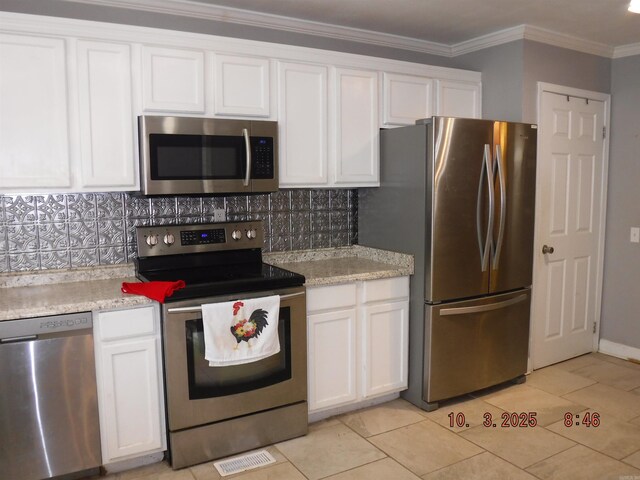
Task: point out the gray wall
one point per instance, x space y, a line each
502 76
546 63
511 72
621 296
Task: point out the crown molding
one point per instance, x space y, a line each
556 39
187 8
489 40
626 50
536 34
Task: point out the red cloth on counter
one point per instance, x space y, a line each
154 290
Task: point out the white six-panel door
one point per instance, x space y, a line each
571 170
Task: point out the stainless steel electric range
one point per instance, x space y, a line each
213 412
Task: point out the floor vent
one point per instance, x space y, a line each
239 464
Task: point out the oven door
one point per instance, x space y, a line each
198 394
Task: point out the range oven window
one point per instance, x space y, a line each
196 157
209 382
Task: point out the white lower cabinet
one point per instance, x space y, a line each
332 346
384 341
358 337
129 379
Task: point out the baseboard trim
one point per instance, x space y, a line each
618 350
333 411
131 463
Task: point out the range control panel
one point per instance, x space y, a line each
198 238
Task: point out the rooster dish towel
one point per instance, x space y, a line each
241 331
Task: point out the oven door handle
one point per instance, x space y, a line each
199 309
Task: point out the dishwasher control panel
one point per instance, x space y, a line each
33 327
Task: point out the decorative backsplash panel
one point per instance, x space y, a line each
40 232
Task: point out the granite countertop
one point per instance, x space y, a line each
332 266
54 292
25 295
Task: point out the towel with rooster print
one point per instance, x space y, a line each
242 331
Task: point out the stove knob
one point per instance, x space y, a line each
251 233
169 239
152 240
236 234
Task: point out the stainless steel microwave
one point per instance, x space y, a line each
196 156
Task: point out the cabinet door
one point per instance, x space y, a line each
129 393
332 358
459 99
129 380
34 116
242 86
356 158
302 123
406 98
108 158
172 80
385 335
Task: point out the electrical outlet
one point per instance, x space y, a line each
219 215
635 234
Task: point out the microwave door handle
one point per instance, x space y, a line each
247 146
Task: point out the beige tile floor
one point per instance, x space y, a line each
397 441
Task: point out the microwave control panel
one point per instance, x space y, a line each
262 155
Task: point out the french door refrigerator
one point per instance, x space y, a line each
458 194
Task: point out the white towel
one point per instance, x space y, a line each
241 331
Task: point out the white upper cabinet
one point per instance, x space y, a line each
308 109
173 80
459 99
107 129
406 98
71 90
241 86
355 128
34 113
303 123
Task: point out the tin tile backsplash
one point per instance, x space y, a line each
40 232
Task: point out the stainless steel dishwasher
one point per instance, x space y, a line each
48 400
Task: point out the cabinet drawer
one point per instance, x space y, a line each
331 297
126 323
385 289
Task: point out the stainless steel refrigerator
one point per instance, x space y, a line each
458 194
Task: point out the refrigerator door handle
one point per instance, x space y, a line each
483 308
485 247
503 206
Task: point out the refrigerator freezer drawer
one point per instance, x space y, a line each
474 344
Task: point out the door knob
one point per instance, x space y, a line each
547 249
